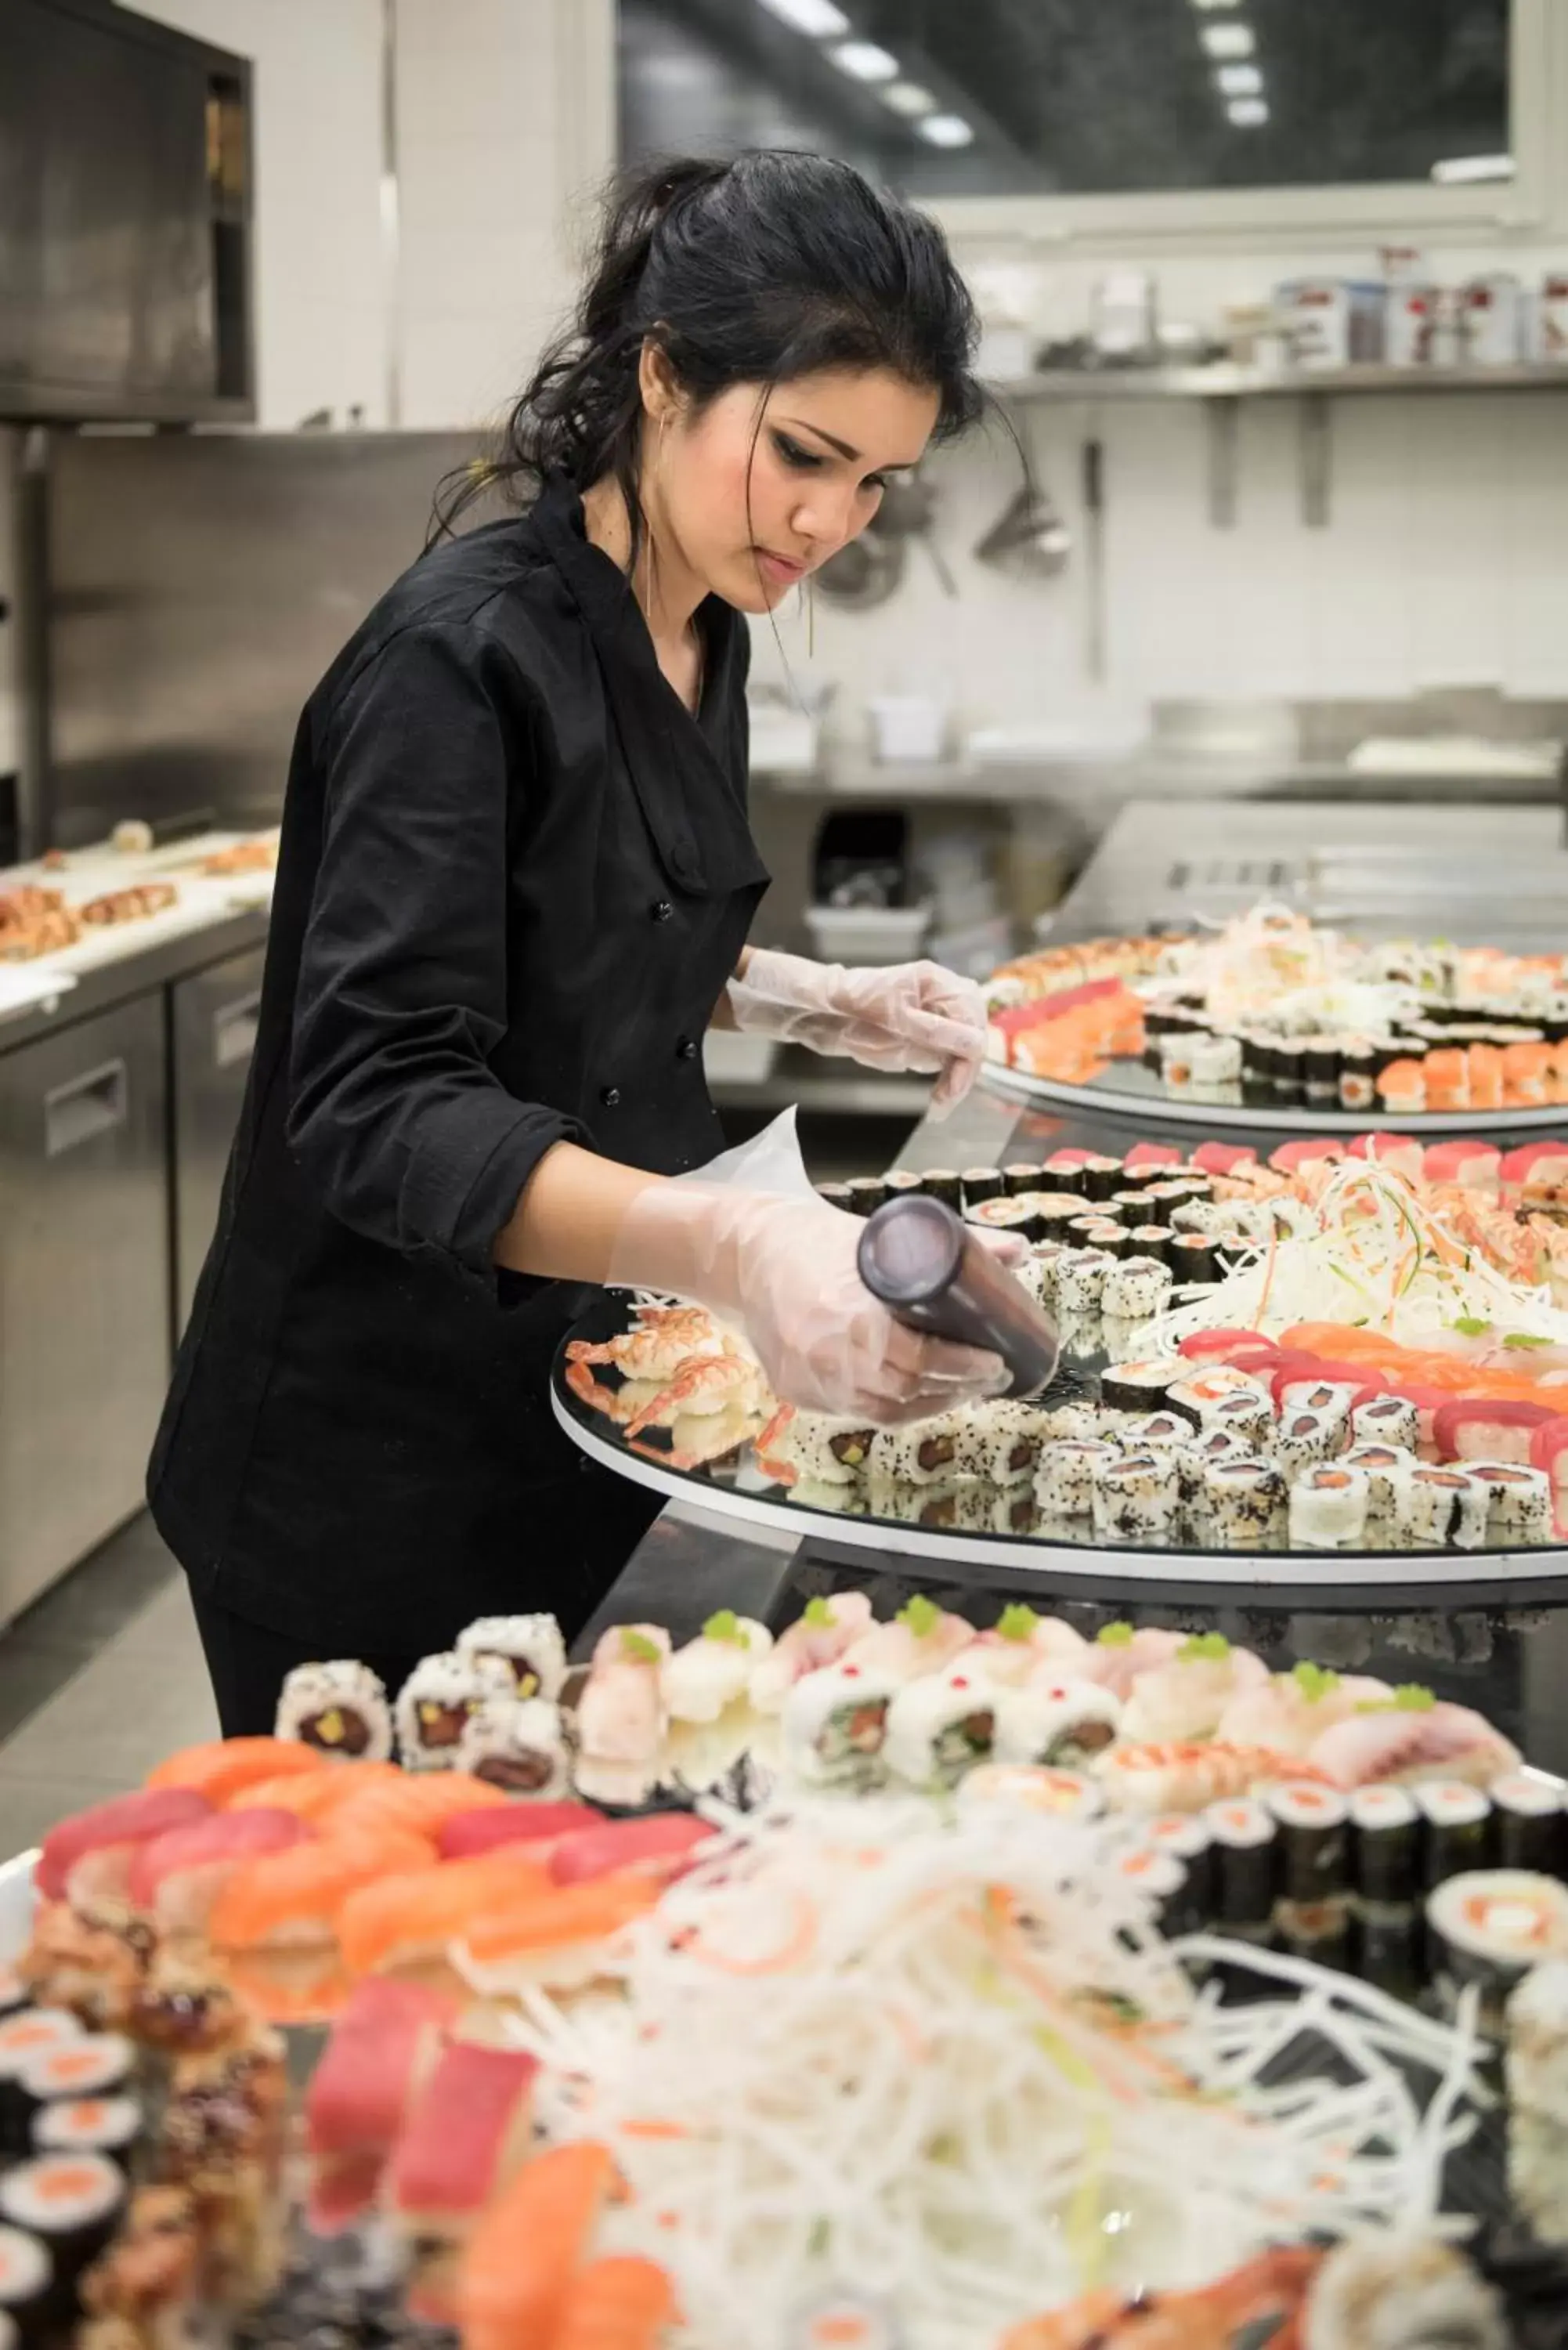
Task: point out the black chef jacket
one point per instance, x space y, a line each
514 876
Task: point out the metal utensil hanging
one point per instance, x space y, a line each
1029 537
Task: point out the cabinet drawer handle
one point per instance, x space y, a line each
85 1106
234 1030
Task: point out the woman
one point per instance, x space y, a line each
513 887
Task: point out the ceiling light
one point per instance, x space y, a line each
906 97
864 61
1240 81
945 130
1461 170
819 20
1248 113
1228 40
1216 4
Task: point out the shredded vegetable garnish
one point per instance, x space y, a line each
952 2067
1375 1255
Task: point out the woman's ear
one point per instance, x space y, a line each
656 381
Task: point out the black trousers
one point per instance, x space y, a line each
246 1665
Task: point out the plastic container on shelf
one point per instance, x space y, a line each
871 934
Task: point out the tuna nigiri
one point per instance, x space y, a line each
820 1636
220 1769
92 1851
468 2129
177 1877
523 2256
381 2050
658 1847
1184 1698
403 1925
468 1834
1412 1737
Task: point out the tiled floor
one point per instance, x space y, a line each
97 1680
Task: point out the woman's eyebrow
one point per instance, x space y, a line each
843 447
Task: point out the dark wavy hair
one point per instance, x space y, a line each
759 270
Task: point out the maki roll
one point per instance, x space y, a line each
1457 1829
1197 1453
1389 1950
1152 1241
1162 1878
1130 1204
1058 1211
1531 1826
1080 1280
1064 1479
1305 1439
1244 1499
1290 1071
339 1708
31 2033
980 1183
1023 1175
1060 1724
112 2127
902 1182
869 1193
516 1744
1386 1841
834 1722
1156 1431
943 1183
1136 1497
1321 1064
1328 1507
99 2064
941 1726
1090 1233
1071 1422
1358 1074
436 1701
837 1195
1194 1258
1102 1176
1189 1837
1244 1413
1385 1468
1136 1288
1319 1931
1140 1387
1011 1437
1315 1841
922 1453
1537 2061
1444 1505
1386 1419
1518 1501
1215 1061
1492 1926
1007 1215
70 2203
530 1647
1195 1391
26 2283
1246 1862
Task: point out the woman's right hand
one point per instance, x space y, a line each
786 1270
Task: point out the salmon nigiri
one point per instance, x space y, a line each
556 1940
417 1803
621 2302
522 2258
280 1912
403 1925
318 1795
220 1769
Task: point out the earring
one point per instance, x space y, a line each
648 534
809 593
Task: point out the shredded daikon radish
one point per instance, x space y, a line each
950 2067
1374 1257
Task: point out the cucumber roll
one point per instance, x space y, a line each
1062 1725
834 1724
941 1726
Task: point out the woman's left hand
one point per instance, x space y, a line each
905 1016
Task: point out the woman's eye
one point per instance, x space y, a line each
875 483
804 459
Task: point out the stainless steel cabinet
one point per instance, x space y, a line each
214 1033
84 1287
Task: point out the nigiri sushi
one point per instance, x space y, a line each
520 2263
280 1912
1290 1710
1184 1776
632 1644
91 1852
315 1797
621 1718
921 1639
177 1877
1409 1737
1184 1698
556 1941
1019 1641
220 1769
381 2049
415 1804
1118 1654
467 1834
715 1670
468 2129
623 2301
823 1634
659 1846
402 1925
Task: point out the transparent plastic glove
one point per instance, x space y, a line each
784 1269
905 1016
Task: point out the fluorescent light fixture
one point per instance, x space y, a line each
945 130
864 61
1465 171
1240 81
1248 113
908 99
1208 5
819 20
1228 40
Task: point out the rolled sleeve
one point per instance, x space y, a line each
395 1112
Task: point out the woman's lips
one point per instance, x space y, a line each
781 570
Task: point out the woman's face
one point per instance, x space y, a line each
752 504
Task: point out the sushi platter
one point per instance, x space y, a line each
1032 1980
1273 1024
1218 1415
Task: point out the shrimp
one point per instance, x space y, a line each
516 2275
616 2304
1271 2286
656 1348
702 1384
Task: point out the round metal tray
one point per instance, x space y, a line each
738 1490
1130 1092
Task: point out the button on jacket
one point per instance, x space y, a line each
514 876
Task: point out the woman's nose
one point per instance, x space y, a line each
825 518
